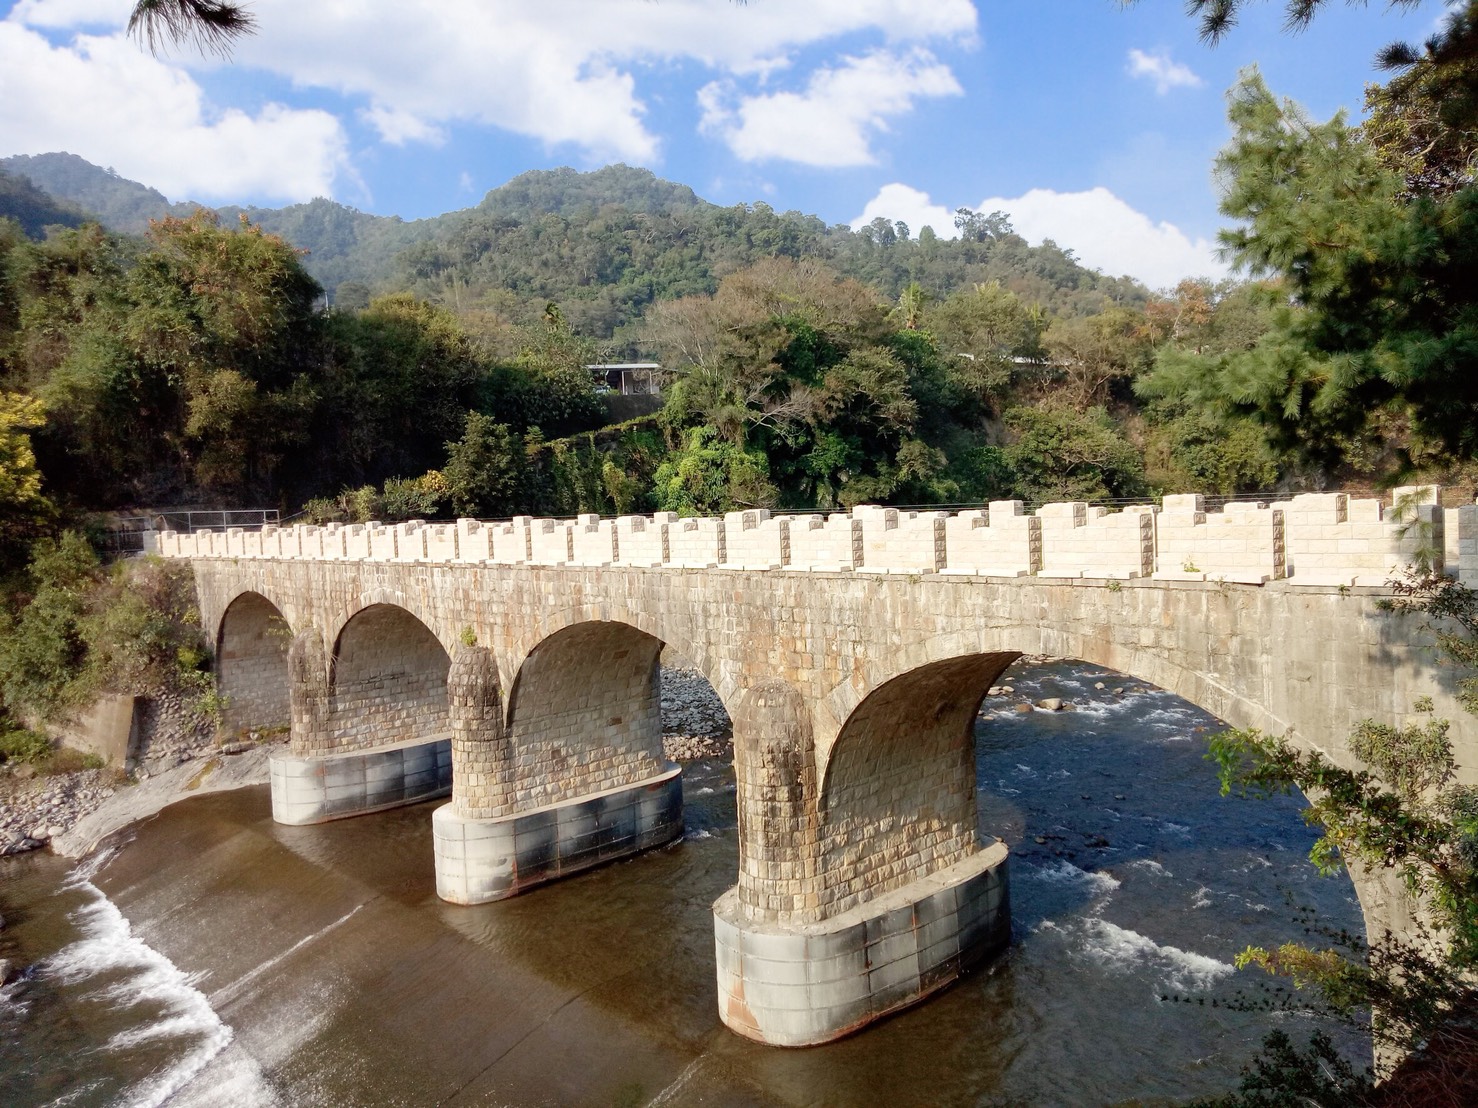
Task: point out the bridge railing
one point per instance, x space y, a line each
1311 538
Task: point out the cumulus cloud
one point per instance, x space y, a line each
1164 73
400 127
564 71
561 71
104 99
1102 230
903 202
831 122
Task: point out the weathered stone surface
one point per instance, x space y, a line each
853 694
803 984
481 860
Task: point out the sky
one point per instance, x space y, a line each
1091 123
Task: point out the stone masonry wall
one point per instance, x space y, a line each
483 786
587 714
1312 539
389 681
899 794
1309 660
251 666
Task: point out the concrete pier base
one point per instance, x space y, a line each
803 984
478 860
316 790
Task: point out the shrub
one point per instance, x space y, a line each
24 746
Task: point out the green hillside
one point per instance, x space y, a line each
120 204
34 209
603 245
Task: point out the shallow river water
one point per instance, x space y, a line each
212 957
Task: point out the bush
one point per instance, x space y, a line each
24 746
41 646
131 629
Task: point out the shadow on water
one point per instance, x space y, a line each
346 981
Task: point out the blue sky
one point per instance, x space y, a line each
1091 123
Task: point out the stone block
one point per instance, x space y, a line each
525 849
858 965
317 789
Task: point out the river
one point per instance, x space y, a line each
211 957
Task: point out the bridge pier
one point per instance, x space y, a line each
801 984
480 860
488 846
805 951
357 782
319 780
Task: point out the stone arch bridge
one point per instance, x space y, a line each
516 665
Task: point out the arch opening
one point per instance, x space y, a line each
1074 764
898 798
388 681
585 713
252 668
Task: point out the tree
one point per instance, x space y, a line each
23 509
980 331
1217 17
210 25
1423 123
1093 353
1061 454
1378 320
1404 812
485 470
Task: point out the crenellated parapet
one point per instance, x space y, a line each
1309 539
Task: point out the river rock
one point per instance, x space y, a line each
1023 709
40 834
1050 704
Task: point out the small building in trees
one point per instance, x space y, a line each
629 378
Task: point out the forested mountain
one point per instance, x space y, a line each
116 202
603 245
34 209
566 191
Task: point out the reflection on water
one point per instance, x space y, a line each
236 961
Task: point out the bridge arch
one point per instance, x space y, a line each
897 791
387 679
585 712
1093 645
695 647
425 614
251 646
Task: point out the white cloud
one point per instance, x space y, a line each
1102 230
70 13
400 127
559 71
901 202
832 122
104 99
1165 73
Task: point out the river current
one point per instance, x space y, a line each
212 957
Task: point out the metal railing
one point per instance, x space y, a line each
124 535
